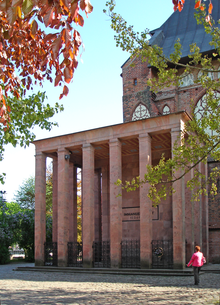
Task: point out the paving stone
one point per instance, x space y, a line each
78 289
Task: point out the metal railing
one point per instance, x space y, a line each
50 253
162 254
101 254
130 254
75 254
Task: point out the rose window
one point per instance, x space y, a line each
141 112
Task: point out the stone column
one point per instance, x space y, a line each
40 207
190 219
88 204
63 206
205 216
145 204
72 203
178 201
97 205
115 202
55 199
105 204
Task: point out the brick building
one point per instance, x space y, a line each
127 231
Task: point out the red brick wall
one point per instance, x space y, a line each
178 99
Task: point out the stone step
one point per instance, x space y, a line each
151 272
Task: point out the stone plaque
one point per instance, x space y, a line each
131 214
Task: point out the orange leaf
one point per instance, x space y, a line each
74 10
3 6
56 46
210 7
48 17
68 75
65 90
34 27
198 4
57 79
202 8
80 20
11 15
180 7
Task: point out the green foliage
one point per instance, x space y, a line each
4 255
25 238
27 113
8 222
25 195
200 135
17 222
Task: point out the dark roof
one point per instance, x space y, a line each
183 25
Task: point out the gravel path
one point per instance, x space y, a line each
26 287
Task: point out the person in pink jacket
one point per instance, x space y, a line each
197 261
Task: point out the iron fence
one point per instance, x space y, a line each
50 253
101 254
162 254
130 254
75 254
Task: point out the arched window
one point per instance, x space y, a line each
141 112
202 107
209 74
166 110
187 80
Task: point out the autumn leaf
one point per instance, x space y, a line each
1 95
27 6
68 75
198 4
11 15
3 6
74 10
210 8
18 11
48 17
56 46
34 28
57 79
180 7
65 90
17 2
80 20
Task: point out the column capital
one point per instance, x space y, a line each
87 146
40 154
144 137
63 150
114 141
177 129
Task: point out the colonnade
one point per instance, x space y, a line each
65 203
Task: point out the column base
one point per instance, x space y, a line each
62 263
39 262
87 264
179 266
146 264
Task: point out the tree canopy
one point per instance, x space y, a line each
38 41
201 135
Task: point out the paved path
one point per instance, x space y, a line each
26 287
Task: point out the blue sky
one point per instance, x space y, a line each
95 96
